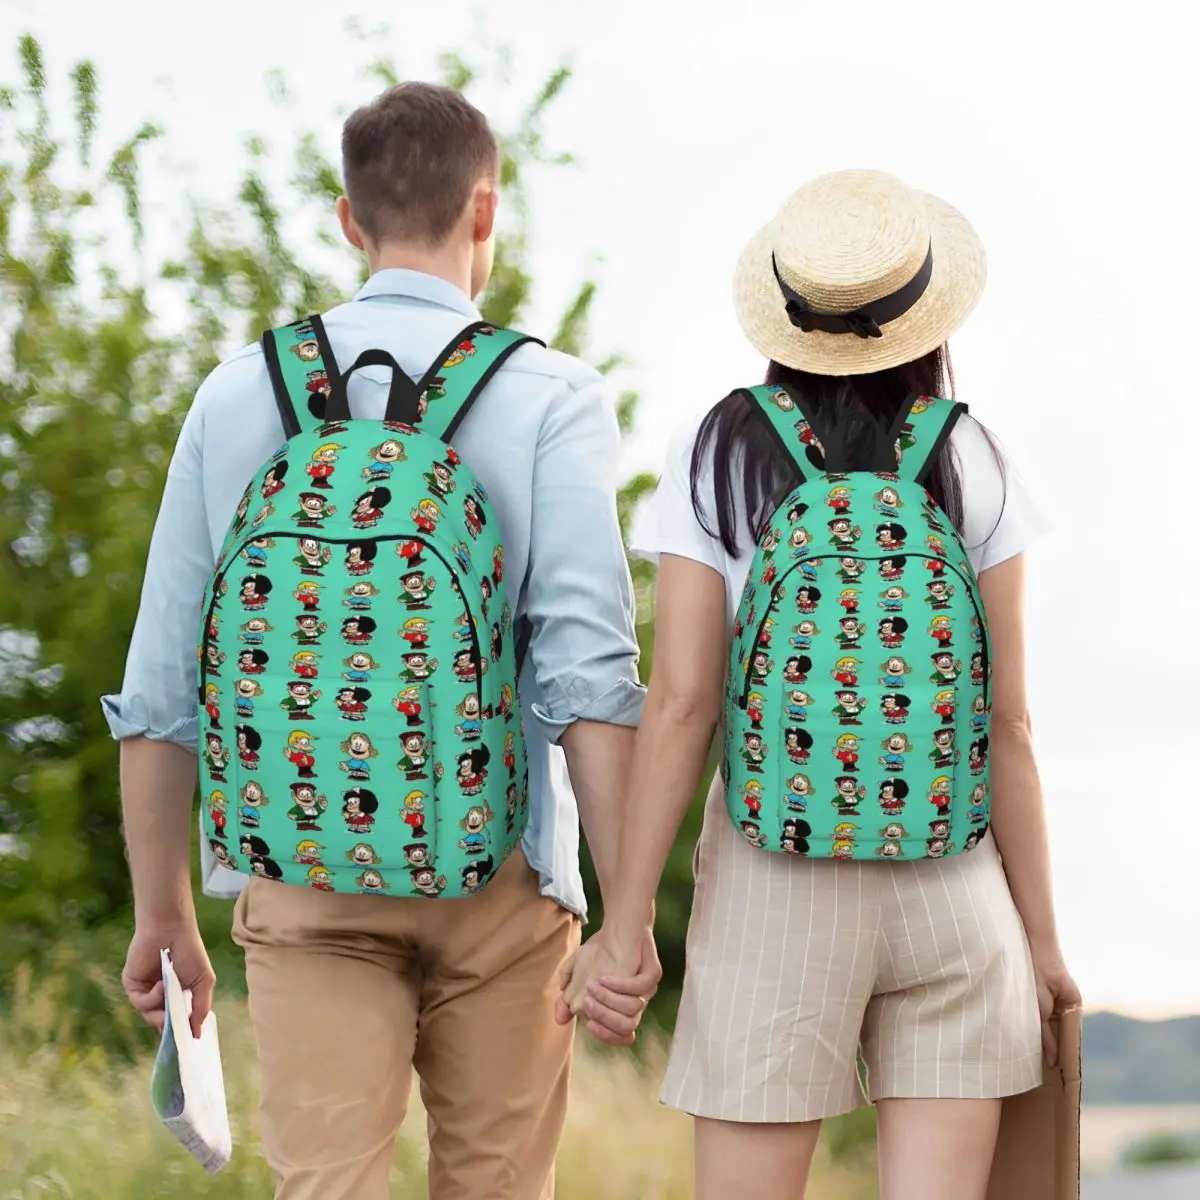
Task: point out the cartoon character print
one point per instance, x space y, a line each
977 806
893 598
753 752
506 702
368 508
754 709
941 629
979 713
894 671
360 557
413 813
311 556
216 757
891 535
427 883
212 705
752 834
977 756
850 793
416 588
893 793
363 854
473 515
359 750
314 510
253 799
848 599
251 633
891 632
307 806
803 634
895 749
946 668
384 458
850 632
939 795
259 854
892 569
298 750
839 500
358 630
360 595
255 553
944 705
798 744
242 511
843 533
510 754
248 743
359 666
221 853
426 515
255 591
245 692
470 718
796 706
351 703
414 750
978 674
845 671
309 853
418 666
845 750
308 595
795 669
793 838
217 813
888 502
939 593
321 465
359 806
471 771
848 707
309 629
371 882
850 569
475 874
799 790
320 878
473 825
252 662
944 753
895 707
807 599
408 704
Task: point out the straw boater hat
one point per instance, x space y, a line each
857 273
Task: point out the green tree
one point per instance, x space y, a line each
93 386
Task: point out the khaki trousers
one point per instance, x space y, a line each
349 993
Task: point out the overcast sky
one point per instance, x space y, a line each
1065 135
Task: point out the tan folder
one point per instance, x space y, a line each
1037 1153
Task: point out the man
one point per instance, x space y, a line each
349 993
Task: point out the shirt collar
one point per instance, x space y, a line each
416 285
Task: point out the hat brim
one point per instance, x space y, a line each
959 274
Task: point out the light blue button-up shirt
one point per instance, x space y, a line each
543 440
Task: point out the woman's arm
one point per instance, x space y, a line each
1018 813
683 706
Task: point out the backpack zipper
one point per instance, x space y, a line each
772 607
292 535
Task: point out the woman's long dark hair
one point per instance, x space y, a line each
859 409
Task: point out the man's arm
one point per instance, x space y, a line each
579 601
155 718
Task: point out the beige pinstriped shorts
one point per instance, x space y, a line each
793 965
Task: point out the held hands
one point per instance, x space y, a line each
609 987
142 977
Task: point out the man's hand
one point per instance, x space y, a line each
608 988
142 977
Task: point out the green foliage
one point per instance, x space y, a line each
93 385
1162 1149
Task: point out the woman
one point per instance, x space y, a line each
934 965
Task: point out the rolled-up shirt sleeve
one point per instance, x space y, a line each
158 697
579 596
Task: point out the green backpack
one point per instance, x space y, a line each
357 668
854 728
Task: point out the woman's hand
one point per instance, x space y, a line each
609 987
1056 992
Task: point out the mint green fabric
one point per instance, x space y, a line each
858 707
360 633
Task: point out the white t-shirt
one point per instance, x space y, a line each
1000 518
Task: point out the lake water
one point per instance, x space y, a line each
1107 1130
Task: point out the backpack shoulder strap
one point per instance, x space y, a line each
308 387
780 411
460 373
923 427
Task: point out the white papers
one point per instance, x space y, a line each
187 1088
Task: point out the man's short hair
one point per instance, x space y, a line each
410 160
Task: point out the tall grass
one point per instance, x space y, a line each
76 1122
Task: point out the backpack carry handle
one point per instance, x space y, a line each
403 402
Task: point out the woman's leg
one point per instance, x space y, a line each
936 1149
737 1160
